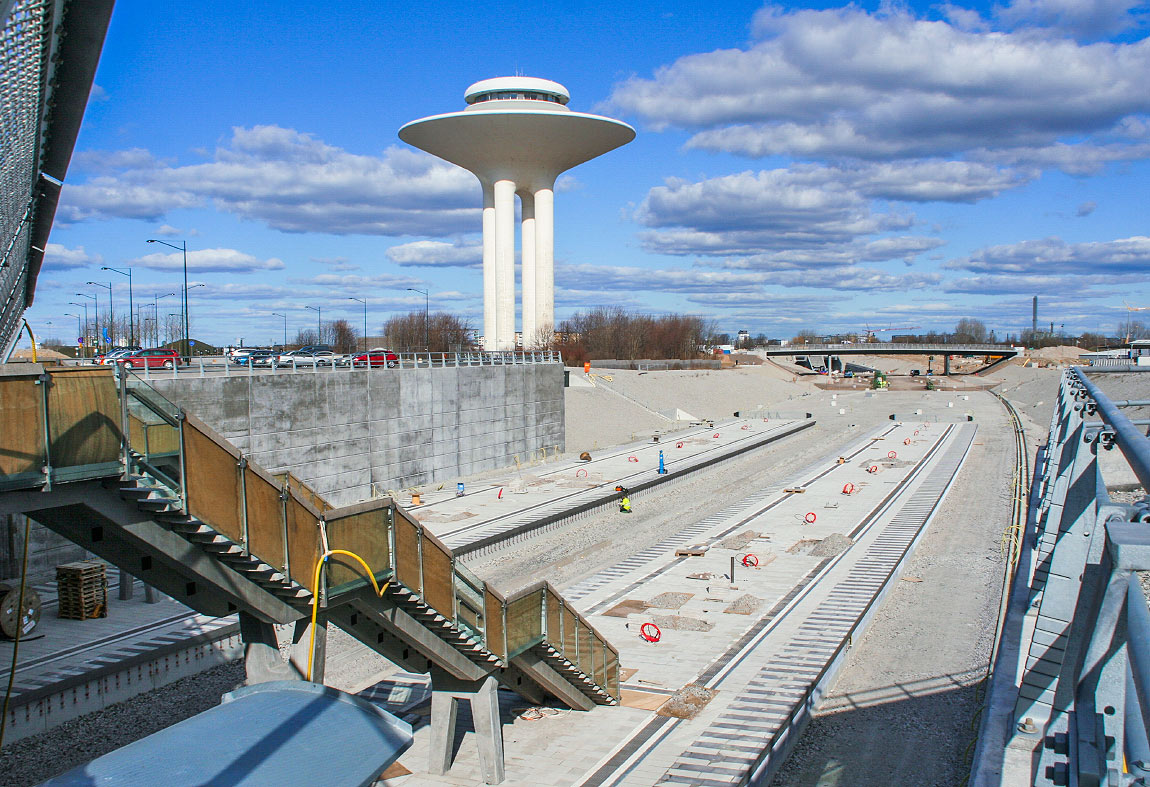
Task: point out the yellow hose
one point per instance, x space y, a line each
315 593
32 338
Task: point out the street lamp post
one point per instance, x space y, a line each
131 312
111 315
318 322
364 302
79 330
277 314
84 332
156 306
426 344
184 248
187 311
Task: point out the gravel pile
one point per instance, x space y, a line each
745 604
687 702
738 541
832 545
670 600
681 623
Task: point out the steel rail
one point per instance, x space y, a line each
1132 443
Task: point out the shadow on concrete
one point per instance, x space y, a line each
920 732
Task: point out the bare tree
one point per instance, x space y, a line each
969 331
438 332
613 333
341 336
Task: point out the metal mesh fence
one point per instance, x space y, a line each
23 42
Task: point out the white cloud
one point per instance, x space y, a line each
1088 19
168 231
437 254
209 260
336 263
844 82
290 181
805 215
1054 256
60 258
1086 208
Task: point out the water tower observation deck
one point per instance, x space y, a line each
517 135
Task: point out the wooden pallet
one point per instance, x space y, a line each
83 590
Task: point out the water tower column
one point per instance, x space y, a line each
527 258
505 265
490 293
545 261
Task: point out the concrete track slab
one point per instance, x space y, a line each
767 667
517 502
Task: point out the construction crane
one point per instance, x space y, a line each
870 334
1130 309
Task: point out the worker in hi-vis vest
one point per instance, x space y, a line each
625 505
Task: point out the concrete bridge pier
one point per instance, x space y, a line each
301 647
946 365
483 694
262 661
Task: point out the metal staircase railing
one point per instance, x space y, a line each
83 424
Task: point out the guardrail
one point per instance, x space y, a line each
219 365
1071 705
881 348
86 423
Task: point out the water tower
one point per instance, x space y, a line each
517 136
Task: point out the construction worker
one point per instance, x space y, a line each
625 505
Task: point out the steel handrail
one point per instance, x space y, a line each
1134 445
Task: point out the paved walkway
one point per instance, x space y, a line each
765 642
71 657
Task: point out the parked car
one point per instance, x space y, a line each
238 355
915 372
157 358
375 358
253 357
302 357
118 352
268 360
316 348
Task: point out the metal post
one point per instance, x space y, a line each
125 426
285 493
183 463
419 553
242 465
44 381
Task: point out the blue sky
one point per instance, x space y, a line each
818 166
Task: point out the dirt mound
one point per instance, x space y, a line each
687 701
830 546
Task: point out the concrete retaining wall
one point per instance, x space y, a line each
343 432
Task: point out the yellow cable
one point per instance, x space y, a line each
315 593
28 328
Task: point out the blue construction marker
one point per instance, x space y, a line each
662 467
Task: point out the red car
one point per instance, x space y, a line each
151 359
376 357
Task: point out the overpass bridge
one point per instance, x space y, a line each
835 352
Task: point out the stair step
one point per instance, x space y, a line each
159 504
